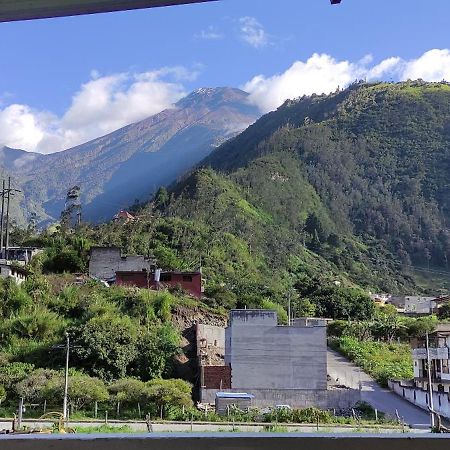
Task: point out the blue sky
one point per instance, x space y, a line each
67 80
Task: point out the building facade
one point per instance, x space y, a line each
104 262
277 365
439 344
191 282
18 274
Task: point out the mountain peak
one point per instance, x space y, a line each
213 97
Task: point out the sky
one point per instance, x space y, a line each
65 81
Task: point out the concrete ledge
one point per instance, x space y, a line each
224 442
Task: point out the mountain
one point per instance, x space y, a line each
131 163
359 178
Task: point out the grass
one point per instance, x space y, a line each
381 360
104 429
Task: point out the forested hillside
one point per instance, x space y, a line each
377 157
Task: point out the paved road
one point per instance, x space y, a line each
350 375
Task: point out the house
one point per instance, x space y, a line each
21 255
104 262
417 390
439 344
124 216
413 304
191 282
17 273
274 364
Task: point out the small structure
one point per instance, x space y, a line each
20 255
124 216
227 400
8 270
104 262
190 282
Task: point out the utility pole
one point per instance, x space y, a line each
430 386
289 308
66 381
1 218
6 192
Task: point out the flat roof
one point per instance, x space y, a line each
12 10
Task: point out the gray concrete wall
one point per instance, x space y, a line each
264 356
223 441
332 399
419 397
105 262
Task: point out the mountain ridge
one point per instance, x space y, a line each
132 162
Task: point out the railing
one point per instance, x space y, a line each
435 353
221 441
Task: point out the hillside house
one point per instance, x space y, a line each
104 262
191 282
20 255
124 216
7 270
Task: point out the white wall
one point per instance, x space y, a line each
441 402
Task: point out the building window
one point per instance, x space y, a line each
187 278
445 366
166 277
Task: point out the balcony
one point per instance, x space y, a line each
435 353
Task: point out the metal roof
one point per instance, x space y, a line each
234 395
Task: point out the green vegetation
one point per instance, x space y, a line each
382 360
319 202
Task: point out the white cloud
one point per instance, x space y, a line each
322 73
253 32
210 34
102 105
433 65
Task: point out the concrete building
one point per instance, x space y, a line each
439 343
20 255
413 304
416 391
104 262
278 365
266 357
7 270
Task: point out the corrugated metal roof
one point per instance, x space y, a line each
234 395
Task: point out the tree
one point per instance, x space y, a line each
156 350
339 302
82 390
2 394
128 391
33 387
172 392
105 346
12 373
